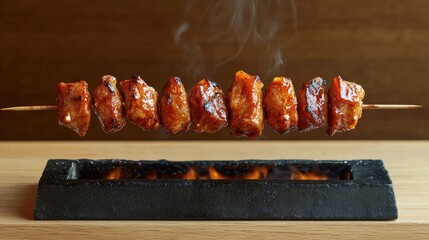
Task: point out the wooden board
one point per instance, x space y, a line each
21 165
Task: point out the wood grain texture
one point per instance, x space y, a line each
380 44
22 163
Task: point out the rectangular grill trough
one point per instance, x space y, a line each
246 189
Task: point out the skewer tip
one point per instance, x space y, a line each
30 108
391 106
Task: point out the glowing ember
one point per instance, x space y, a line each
191 174
228 172
307 175
114 173
255 173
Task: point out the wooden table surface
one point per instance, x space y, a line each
22 163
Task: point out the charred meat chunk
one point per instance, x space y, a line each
245 106
174 107
312 105
345 105
208 107
281 105
108 105
74 106
141 103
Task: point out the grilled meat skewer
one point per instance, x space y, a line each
312 105
108 105
345 105
281 105
174 108
141 103
246 113
208 107
74 106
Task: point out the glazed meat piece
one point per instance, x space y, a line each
174 107
141 103
312 105
345 105
281 105
245 106
108 105
74 106
208 107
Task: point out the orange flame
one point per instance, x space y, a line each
298 175
191 174
256 173
114 173
152 176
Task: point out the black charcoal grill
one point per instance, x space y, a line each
214 190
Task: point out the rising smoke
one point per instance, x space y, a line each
226 29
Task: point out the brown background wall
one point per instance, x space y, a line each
383 45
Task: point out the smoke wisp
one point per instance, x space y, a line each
233 30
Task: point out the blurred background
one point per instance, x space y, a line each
382 45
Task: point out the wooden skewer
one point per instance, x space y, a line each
30 108
390 106
364 106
